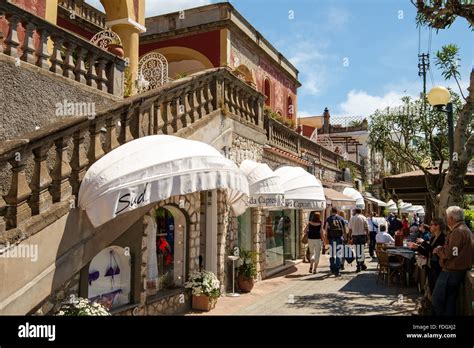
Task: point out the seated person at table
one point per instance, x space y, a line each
425 248
424 232
383 236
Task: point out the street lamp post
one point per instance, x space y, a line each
439 97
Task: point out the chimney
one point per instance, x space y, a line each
326 117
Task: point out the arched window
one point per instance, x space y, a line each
290 108
109 277
266 91
166 249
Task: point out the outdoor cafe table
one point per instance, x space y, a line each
408 258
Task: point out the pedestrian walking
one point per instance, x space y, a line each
345 238
358 232
455 259
373 229
314 241
334 227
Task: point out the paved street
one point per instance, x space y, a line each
321 294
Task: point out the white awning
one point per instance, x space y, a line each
302 190
339 200
375 200
353 193
154 168
419 209
264 185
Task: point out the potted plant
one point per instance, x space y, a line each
206 289
247 270
77 306
115 47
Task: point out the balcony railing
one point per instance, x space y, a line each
284 138
72 57
58 155
85 11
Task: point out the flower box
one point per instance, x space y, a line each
203 302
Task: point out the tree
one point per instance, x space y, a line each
440 14
399 133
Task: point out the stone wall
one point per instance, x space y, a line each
244 148
259 240
275 161
31 93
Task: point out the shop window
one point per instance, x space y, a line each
245 232
166 250
280 228
109 277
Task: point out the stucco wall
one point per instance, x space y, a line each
29 95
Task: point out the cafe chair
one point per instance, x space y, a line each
388 268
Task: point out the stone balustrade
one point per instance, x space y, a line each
71 57
85 11
61 153
284 138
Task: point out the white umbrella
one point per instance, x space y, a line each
353 193
265 186
302 190
154 168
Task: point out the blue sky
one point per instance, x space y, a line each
353 56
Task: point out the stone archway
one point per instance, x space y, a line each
183 61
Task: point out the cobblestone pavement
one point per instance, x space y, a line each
296 292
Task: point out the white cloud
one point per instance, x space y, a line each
337 18
158 7
311 63
360 103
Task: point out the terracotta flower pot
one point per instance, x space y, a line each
116 49
203 303
245 284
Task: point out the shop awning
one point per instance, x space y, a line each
375 200
339 200
265 189
154 168
302 190
353 193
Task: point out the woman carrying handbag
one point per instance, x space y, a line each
314 238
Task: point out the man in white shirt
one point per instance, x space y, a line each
359 233
383 236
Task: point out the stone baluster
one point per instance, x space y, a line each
238 102
80 68
125 133
167 117
78 160
194 104
233 102
176 114
101 75
188 112
95 147
42 53
202 101
209 97
28 44
17 209
68 64
61 187
91 75
12 42
40 198
158 121
111 141
56 58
